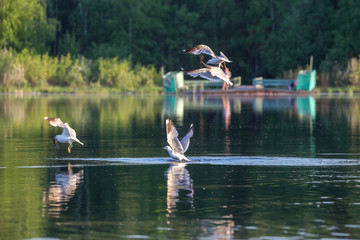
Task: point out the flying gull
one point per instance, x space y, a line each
204 49
212 73
67 136
177 148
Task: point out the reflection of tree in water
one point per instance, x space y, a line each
61 190
14 110
178 178
347 109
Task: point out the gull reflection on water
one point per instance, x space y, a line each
178 178
227 121
56 198
180 190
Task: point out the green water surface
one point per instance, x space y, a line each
262 168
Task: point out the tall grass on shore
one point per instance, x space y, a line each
339 75
333 74
41 72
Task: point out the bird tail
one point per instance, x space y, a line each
77 140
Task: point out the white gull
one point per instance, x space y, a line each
177 148
67 136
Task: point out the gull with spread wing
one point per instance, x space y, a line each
204 49
212 73
177 148
68 135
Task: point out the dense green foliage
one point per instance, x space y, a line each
262 37
38 71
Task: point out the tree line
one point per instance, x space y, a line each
270 38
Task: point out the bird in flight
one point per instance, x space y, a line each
212 73
204 49
67 136
177 148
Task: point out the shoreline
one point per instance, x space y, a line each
328 91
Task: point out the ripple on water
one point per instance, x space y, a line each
232 160
338 234
136 237
352 225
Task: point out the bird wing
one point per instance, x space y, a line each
197 72
224 58
69 131
217 72
171 134
204 73
56 122
185 142
200 49
214 61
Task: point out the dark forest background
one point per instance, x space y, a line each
270 38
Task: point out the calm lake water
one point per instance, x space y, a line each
262 168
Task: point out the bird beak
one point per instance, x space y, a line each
54 140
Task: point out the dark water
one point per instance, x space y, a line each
262 168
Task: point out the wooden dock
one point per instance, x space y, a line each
245 90
174 83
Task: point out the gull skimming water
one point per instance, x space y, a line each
67 136
177 148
